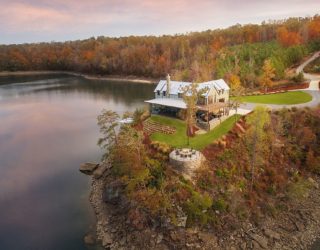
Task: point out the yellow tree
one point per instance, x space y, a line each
236 90
234 82
267 75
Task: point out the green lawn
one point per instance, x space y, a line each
290 97
179 138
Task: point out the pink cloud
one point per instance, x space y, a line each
61 19
18 15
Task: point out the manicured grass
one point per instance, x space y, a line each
179 138
290 97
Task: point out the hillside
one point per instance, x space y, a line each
198 56
257 189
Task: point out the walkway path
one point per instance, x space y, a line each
307 76
313 90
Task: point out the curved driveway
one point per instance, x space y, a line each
313 90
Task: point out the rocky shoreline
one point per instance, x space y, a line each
297 228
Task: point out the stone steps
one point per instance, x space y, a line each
151 127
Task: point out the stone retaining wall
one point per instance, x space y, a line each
186 161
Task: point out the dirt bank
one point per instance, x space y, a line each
87 76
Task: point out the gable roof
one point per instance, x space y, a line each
177 87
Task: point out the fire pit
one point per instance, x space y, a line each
186 160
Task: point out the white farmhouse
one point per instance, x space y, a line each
213 103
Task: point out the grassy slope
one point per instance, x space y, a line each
179 139
291 97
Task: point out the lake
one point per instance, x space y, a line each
47 129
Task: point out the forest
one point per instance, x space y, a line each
198 56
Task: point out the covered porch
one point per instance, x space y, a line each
166 106
212 114
207 116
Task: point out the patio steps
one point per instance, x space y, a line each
151 127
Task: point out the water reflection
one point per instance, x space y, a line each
47 128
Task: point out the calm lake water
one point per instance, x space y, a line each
47 129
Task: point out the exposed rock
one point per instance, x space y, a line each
271 234
205 237
100 170
106 240
89 239
159 238
88 168
299 225
173 236
256 246
313 182
182 221
112 192
260 240
243 246
136 219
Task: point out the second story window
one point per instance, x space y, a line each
158 92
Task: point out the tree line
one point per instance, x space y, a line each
196 56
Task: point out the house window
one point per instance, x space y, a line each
158 92
179 95
164 93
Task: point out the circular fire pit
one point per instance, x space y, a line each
186 160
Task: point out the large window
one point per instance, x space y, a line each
201 101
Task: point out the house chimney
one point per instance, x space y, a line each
168 86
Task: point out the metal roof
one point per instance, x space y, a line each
177 87
176 103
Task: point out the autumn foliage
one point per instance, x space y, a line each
314 28
288 38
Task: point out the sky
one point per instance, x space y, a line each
23 21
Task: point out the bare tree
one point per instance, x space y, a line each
190 95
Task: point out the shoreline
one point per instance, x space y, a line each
294 229
86 76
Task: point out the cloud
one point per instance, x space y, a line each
71 19
18 16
